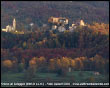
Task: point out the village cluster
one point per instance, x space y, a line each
10 28
56 23
61 24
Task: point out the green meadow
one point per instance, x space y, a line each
71 77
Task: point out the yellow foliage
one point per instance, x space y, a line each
42 59
73 63
32 63
34 58
52 64
65 62
83 58
24 44
79 63
77 59
7 63
100 27
58 62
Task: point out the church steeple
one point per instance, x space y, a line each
14 24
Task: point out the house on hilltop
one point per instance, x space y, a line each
58 23
58 20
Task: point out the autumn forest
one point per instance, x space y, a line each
60 54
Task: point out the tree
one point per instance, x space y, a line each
41 61
32 64
72 63
65 62
58 63
41 64
100 28
63 65
15 65
30 74
21 67
99 63
52 64
7 65
79 63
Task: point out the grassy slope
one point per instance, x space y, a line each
52 77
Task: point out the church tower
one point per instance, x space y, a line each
82 23
14 24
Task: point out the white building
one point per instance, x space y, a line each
61 29
10 28
82 23
54 27
14 24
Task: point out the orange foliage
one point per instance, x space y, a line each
34 58
79 63
100 28
73 63
52 64
65 62
7 63
41 61
58 61
32 63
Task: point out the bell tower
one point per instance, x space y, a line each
14 24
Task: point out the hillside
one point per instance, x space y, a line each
34 51
38 12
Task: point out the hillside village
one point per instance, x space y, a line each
55 23
10 28
61 24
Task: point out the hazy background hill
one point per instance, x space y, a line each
38 12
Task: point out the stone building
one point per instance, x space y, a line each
61 29
58 20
